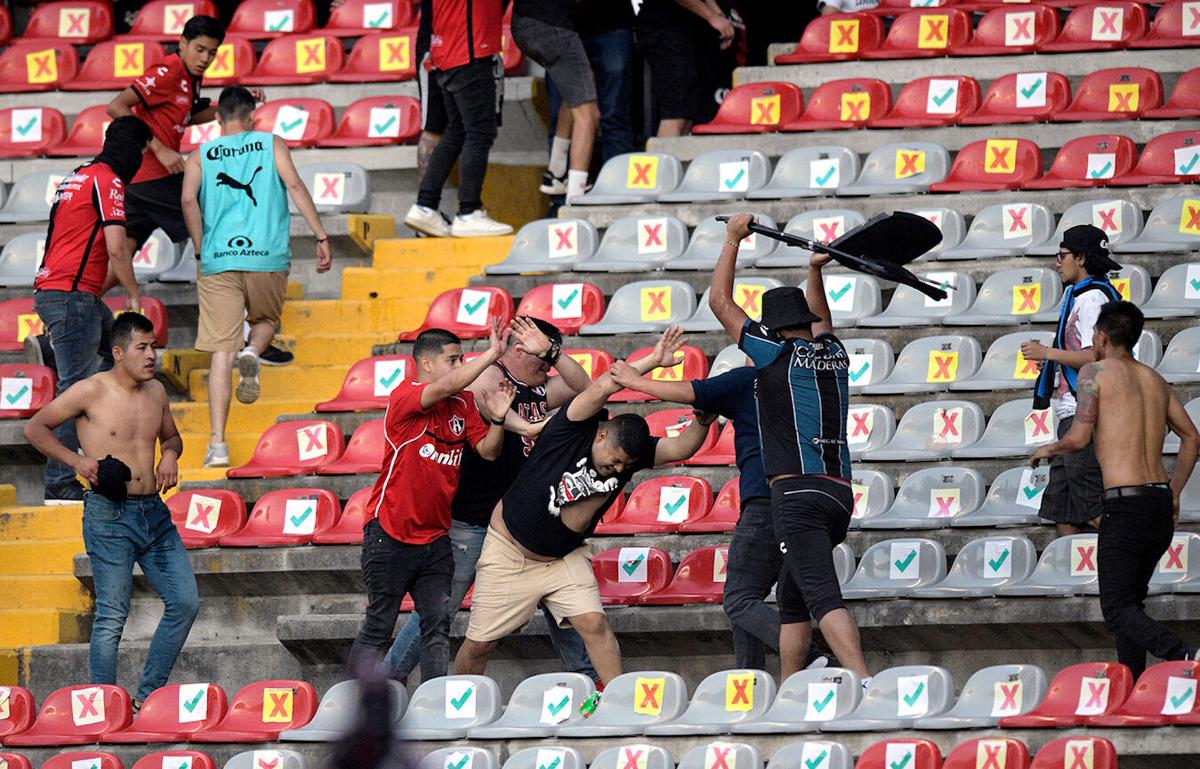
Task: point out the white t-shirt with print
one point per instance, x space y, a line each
1078 337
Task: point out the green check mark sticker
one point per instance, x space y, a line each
1031 491
553 764
555 709
24 129
813 763
857 375
824 179
383 127
632 565
473 307
911 699
1186 168
1102 172
569 299
941 100
458 702
191 704
839 293
906 561
1032 89
1195 285
388 381
903 762
996 563
15 398
673 507
376 23
733 182
1178 701
288 127
278 27
822 703
461 762
298 520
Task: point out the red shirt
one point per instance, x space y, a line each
422 462
166 95
76 257
452 44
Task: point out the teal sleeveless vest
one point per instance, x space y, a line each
244 204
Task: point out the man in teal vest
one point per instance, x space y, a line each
235 192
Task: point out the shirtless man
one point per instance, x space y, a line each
120 416
1140 506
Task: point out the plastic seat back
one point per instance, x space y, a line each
536 758
932 101
364 453
76 715
868 426
1004 367
982 565
548 245
377 121
30 131
337 188
991 694
1162 692
807 172
1172 158
1120 219
836 37
360 17
299 122
1115 94
297 59
594 362
1178 566
931 498
6 26
460 758
264 19
1081 751
1012 297
705 245
848 103
112 64
37 66
917 754
172 713
729 358
871 360
1008 30
1171 444
1004 229
31 196
204 516
930 364
1022 97
723 700
19 713
154 310
1181 361
468 312
828 755
809 698
633 701
724 514
874 492
537 706
1173 225
633 178
339 711
261 710
824 226
692 364
700 578
1100 26
292 448
992 164
1175 26
167 759
755 108
924 33
380 57
446 708
198 134
1088 161
156 256
721 175
910 307
77 22
1184 100
930 430
901 168
21 258
646 306
898 696
17 321
992 752
660 505
235 59
1067 567
722 755
637 244
896 567
349 527
950 223
568 306
286 517
86 136
162 20
267 759
84 758
626 574
1014 430
369 382
638 756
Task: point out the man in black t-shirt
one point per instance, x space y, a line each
536 548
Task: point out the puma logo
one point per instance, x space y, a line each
228 181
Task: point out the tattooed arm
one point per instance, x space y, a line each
1087 409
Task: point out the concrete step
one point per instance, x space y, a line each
47 556
35 522
326 349
27 627
363 316
293 382
192 417
381 283
426 253
195 444
44 592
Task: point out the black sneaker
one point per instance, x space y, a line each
274 356
69 493
553 185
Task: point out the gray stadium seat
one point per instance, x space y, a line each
930 364
930 499
1181 361
458 758
930 431
897 697
336 188
446 708
1149 349
824 225
869 426
637 177
1133 281
950 221
184 270
722 755
729 358
3 194
1173 225
1014 430
1120 219
708 238
910 307
21 259
852 298
1003 367
1177 293
897 168
1189 499
31 196
549 757
871 360
548 245
893 568
812 753
720 701
645 306
1178 570
1013 499
1005 229
806 700
982 565
1171 443
1067 567
632 702
843 562
873 493
537 706
991 694
720 175
1011 297
747 292
809 172
637 244
278 759
157 256
640 756
338 711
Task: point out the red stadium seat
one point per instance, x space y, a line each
836 37
1184 100
162 21
923 33
354 18
14 761
19 713
1114 94
77 715
287 517
720 453
723 515
292 448
199 133
235 60
1163 692
349 527
364 451
6 25
917 754
1077 751
17 321
27 132
594 362
466 311
611 515
377 121
840 104
381 57
260 711
1176 25
1172 158
263 19
1076 693
1088 161
24 389
173 713
669 423
194 760
693 364
90 758
1011 30
26 67
990 752
203 516
113 64
569 306
76 22
152 308
297 60
992 164
86 137
626 574
700 578
932 101
897 7
1101 26
659 505
300 122
755 108
369 382
1022 97
511 55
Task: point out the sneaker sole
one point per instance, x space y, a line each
248 388
495 234
218 463
424 229
552 190
273 364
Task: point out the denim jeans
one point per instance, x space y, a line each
754 564
469 92
611 54
139 530
78 324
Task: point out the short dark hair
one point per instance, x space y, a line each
128 131
235 103
631 434
203 26
125 325
429 344
1121 322
1095 263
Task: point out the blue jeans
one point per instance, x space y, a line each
139 530
466 543
78 324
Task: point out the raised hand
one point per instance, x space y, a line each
497 339
738 227
499 401
624 374
668 344
528 337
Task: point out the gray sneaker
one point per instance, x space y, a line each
248 389
217 455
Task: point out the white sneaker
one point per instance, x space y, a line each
553 185
217 455
248 389
477 224
427 221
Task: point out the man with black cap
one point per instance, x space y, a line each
1073 495
803 393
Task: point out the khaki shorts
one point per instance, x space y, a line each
509 587
228 298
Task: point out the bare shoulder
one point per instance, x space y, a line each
154 390
1090 376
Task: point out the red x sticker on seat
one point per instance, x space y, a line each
1189 217
277 706
202 513
1107 23
223 63
563 240
87 705
129 60
1026 298
175 16
310 55
41 67
1083 557
1006 698
1079 754
312 442
991 754
642 172
1000 156
1015 221
843 36
1019 28
948 426
764 110
647 695
1093 696
909 163
861 422
73 22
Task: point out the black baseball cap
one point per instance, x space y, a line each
1089 241
785 307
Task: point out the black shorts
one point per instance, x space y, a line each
561 52
811 516
433 103
152 205
1075 490
675 82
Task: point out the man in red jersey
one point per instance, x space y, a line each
406 543
85 237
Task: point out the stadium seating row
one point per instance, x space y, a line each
18 320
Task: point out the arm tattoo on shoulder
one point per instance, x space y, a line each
1088 394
